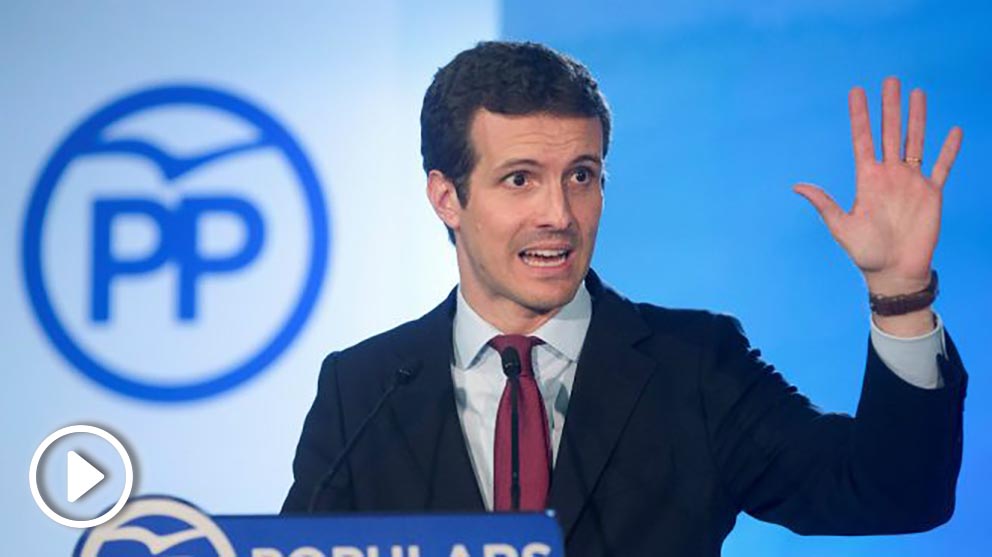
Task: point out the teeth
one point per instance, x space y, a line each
546 252
544 257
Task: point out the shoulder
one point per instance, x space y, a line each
690 327
654 323
697 334
383 346
708 352
687 340
686 322
374 360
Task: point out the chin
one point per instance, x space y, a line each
549 299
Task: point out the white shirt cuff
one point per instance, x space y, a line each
913 359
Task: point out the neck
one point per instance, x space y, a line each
506 315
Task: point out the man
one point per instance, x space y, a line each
647 429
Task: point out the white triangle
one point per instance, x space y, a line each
82 477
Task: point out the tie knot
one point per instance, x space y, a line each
523 346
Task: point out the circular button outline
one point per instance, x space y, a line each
70 430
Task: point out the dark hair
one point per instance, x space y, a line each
505 78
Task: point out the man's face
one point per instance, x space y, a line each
526 236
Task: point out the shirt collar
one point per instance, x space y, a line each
564 333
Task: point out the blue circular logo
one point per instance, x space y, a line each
92 138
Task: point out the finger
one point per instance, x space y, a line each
949 152
891 120
916 128
864 149
829 210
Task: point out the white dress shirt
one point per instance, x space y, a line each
478 377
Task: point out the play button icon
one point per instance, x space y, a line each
81 476
78 472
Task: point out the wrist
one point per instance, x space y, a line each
913 305
908 325
896 284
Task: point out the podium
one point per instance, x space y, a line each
158 526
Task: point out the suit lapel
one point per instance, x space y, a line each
426 414
609 379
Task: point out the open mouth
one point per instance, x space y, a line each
544 257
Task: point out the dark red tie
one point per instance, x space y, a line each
535 451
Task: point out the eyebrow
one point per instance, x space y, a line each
594 159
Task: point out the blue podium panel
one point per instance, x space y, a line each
163 526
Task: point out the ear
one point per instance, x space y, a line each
443 197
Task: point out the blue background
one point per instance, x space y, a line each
719 108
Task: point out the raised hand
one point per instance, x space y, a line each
891 231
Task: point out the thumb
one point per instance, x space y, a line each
830 212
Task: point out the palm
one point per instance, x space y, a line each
894 222
891 231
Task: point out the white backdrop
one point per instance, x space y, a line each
345 82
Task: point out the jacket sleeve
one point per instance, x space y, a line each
892 468
320 442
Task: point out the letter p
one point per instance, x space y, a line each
105 265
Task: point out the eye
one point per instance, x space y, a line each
517 179
583 175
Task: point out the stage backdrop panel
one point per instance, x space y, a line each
199 202
720 107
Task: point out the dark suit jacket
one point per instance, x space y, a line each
674 426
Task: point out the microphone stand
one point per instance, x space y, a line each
511 368
405 374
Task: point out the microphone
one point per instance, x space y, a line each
511 368
403 376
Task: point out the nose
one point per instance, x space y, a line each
556 209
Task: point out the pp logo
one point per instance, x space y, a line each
175 243
156 527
